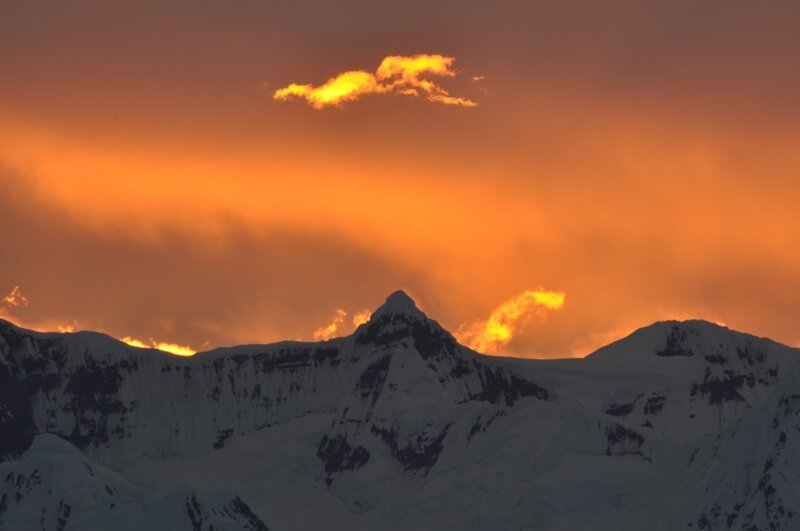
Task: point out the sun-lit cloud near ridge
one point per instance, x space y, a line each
337 326
361 317
172 348
396 74
15 298
508 320
328 331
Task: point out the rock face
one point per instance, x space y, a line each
398 426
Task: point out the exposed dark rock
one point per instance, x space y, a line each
479 426
338 455
17 427
64 510
621 440
93 389
716 359
720 390
622 410
654 405
428 338
371 382
242 512
417 455
222 436
674 345
195 513
325 354
751 356
501 387
93 384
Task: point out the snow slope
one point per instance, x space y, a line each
54 487
681 424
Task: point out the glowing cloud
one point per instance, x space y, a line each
134 342
344 87
361 317
172 348
16 298
337 326
395 75
508 319
329 331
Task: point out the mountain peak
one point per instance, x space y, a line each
399 303
687 341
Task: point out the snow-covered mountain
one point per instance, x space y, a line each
680 425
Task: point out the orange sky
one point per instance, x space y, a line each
640 157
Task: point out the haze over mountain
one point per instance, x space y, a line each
397 426
203 174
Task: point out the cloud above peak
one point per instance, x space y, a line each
507 320
397 74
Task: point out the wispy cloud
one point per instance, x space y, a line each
338 325
361 317
509 319
397 74
328 331
15 298
172 348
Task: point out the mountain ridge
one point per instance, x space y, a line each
397 303
399 406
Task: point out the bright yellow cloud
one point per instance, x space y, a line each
361 317
395 75
344 87
134 342
338 327
508 319
329 331
172 348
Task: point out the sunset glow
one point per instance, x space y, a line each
178 350
361 317
508 320
400 265
330 330
152 187
15 298
396 75
344 87
339 326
